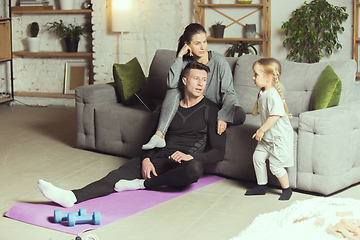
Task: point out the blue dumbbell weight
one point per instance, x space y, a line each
74 218
59 216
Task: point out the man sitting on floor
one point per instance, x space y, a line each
180 163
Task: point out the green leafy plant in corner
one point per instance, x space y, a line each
240 48
218 23
313 29
67 31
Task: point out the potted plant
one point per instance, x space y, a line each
312 30
218 29
240 48
34 40
66 4
70 33
250 30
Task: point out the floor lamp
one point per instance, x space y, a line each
121 16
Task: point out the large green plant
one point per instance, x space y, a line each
67 31
313 29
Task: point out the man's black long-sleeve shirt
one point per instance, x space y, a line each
192 131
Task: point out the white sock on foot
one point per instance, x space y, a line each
155 141
65 198
135 184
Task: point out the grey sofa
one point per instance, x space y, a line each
327 141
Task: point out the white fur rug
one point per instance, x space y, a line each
280 225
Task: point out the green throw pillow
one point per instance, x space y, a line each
327 90
129 77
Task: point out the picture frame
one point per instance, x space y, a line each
76 74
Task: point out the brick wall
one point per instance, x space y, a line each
155 24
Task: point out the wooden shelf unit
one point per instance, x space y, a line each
6 99
5 39
17 13
6 53
43 54
264 37
356 39
49 54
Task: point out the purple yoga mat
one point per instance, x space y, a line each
113 207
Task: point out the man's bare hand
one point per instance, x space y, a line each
147 169
179 156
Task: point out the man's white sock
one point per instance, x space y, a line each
65 198
155 142
135 184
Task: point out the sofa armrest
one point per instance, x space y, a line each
96 94
87 99
328 156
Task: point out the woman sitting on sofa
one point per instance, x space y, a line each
193 46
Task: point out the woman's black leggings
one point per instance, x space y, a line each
169 173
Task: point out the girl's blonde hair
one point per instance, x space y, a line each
273 67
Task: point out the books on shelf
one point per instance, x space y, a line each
33 3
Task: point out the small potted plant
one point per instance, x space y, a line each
250 30
240 48
70 33
34 40
66 4
218 29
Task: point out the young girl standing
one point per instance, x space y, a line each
276 136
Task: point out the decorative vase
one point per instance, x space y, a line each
218 31
71 44
67 4
34 44
250 30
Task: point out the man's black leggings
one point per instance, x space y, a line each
169 173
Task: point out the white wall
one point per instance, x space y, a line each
280 12
155 24
159 23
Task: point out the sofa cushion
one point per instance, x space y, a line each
244 86
299 80
122 130
129 77
327 90
158 73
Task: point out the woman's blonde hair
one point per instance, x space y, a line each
273 67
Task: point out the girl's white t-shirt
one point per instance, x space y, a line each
279 139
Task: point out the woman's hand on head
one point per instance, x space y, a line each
185 49
221 127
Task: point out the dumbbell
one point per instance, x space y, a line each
59 216
74 218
